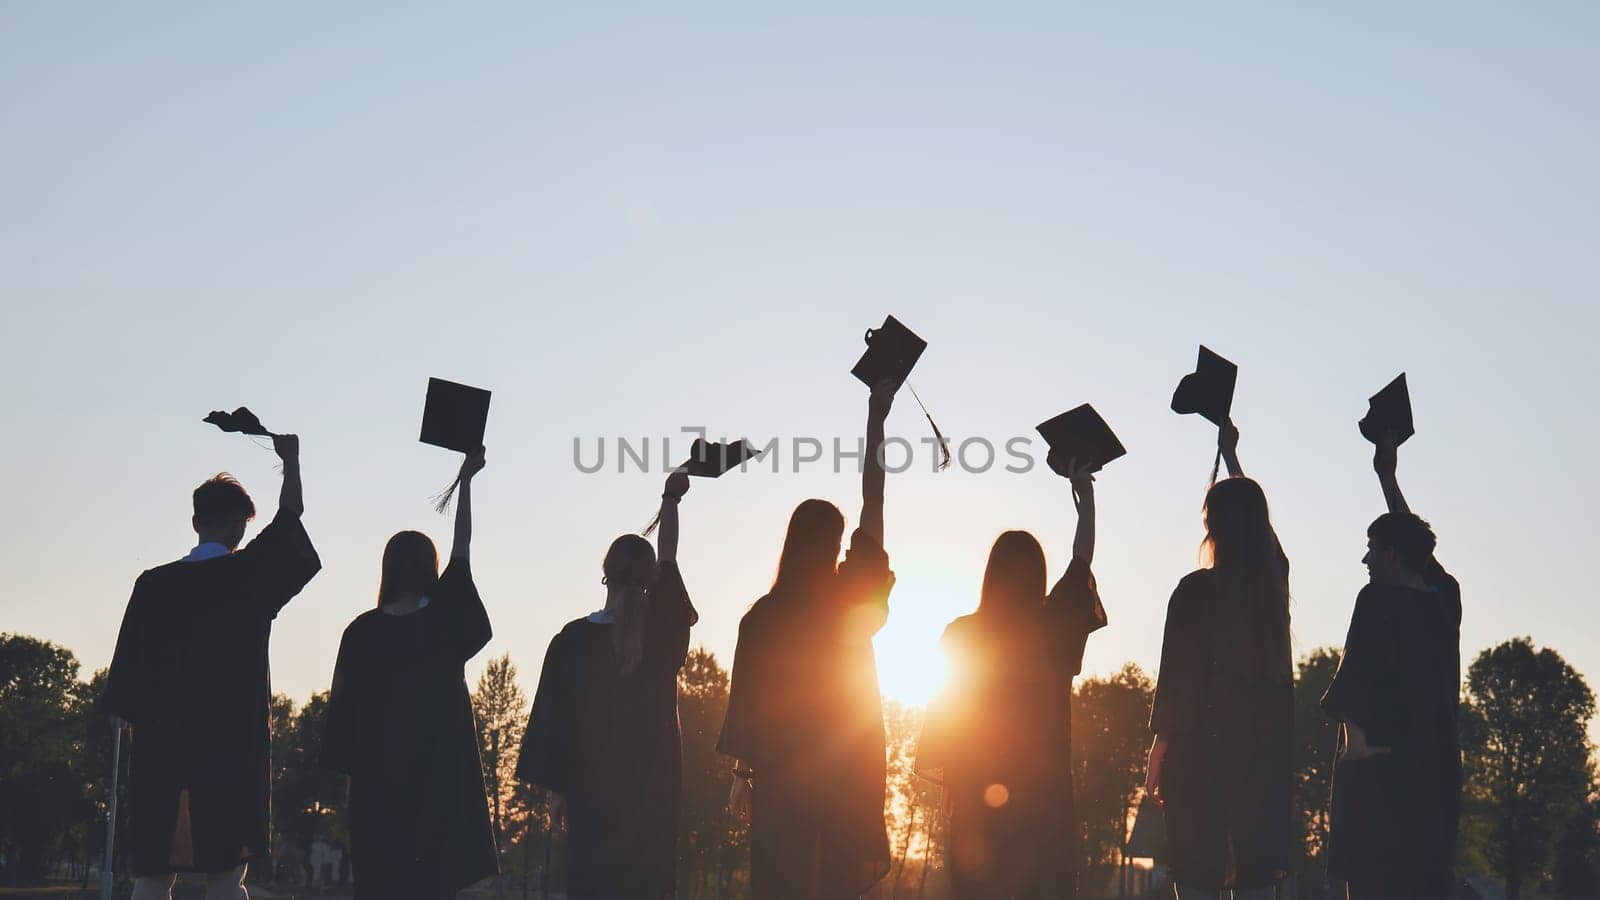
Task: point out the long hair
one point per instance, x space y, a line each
410 567
1014 580
1252 571
630 571
811 546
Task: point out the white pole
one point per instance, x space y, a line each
111 816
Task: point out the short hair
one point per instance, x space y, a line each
221 498
1408 535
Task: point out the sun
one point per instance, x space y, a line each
911 668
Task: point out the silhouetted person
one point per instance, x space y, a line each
190 675
1224 706
400 721
805 720
1000 734
603 733
1397 784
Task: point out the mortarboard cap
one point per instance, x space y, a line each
1146 838
241 420
454 416
1080 434
709 460
892 351
1208 390
1389 410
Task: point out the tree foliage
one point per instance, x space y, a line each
1527 758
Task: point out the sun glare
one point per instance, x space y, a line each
911 668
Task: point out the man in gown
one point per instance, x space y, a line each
1397 783
190 676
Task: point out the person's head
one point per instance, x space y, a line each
629 571
222 510
1014 580
1243 550
811 546
1399 548
410 568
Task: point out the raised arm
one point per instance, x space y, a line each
872 475
1083 498
461 544
291 499
1228 445
667 536
1385 460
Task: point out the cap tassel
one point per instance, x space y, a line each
1216 468
944 445
650 528
443 499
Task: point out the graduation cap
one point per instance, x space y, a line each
1146 838
1389 410
710 460
241 420
453 417
892 352
1208 390
1080 434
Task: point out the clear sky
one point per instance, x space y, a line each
626 221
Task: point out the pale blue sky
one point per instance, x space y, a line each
626 221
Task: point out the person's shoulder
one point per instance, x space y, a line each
578 626
759 612
365 622
960 626
1196 583
165 577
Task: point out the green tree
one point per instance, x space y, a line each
1110 733
501 710
42 797
711 843
1527 757
1316 738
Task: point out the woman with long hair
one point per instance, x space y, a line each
805 720
1223 718
400 721
999 736
603 734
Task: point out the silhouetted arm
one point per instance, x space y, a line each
667 537
1228 444
1385 460
291 499
872 474
1083 499
461 543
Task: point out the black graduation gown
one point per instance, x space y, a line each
190 673
1395 816
400 725
1228 781
1005 719
610 745
805 713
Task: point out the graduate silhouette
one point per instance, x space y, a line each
1223 714
189 674
1397 782
805 719
603 733
999 736
400 720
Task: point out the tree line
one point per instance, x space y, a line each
1530 812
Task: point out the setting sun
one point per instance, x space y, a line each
911 668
